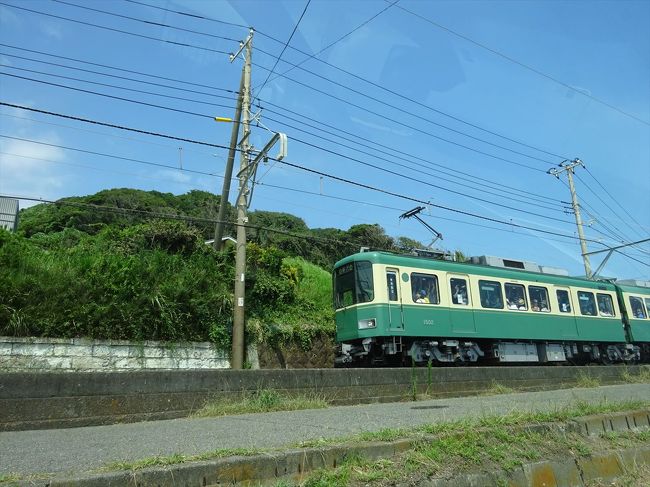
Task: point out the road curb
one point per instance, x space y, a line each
296 464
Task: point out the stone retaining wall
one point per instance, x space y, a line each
39 400
80 354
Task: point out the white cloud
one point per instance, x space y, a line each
26 168
176 176
383 128
52 30
9 18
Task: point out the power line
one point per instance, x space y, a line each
89 24
148 22
153 105
102 154
372 83
348 34
303 168
109 171
105 134
406 125
172 97
612 233
149 75
454 174
167 216
395 107
360 93
285 46
305 143
400 155
519 63
614 199
188 14
398 210
417 180
108 74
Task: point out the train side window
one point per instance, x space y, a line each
424 288
638 311
647 306
491 296
516 297
391 282
539 298
459 291
564 301
605 304
587 303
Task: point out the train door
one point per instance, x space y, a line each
565 307
460 308
395 314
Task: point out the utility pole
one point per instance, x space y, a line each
569 167
247 171
237 356
225 192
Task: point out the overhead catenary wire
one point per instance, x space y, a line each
612 198
457 174
285 46
149 22
111 171
187 14
305 143
90 24
105 134
112 156
85 61
357 92
303 168
419 103
584 205
126 78
523 65
588 187
114 97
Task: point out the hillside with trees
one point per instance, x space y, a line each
134 265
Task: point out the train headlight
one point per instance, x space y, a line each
365 324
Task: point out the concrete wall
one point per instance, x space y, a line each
36 400
79 354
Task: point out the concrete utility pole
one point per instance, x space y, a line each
225 192
247 171
569 166
237 357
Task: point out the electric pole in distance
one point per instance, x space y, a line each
568 167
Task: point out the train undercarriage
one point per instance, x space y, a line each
399 351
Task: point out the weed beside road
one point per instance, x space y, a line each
261 401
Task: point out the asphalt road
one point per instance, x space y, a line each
84 449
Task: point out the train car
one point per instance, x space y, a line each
401 309
635 302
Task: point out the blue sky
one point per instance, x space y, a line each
471 91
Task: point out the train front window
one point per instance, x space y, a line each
353 284
647 305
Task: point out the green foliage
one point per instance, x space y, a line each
75 270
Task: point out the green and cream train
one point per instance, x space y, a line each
401 309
